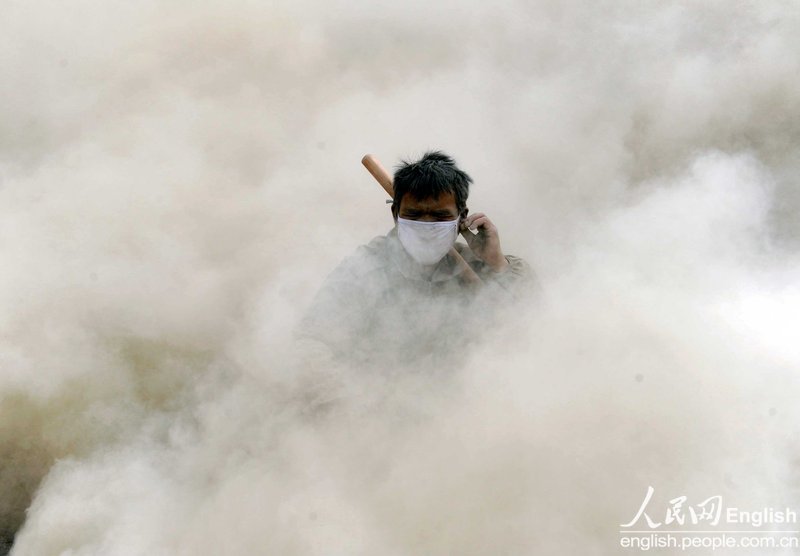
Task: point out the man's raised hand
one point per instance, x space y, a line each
486 242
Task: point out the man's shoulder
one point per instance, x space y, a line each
518 274
366 259
466 253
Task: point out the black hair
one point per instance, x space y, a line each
430 176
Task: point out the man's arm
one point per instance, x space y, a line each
341 309
510 273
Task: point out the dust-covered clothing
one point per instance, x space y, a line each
380 303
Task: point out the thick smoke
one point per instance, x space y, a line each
177 179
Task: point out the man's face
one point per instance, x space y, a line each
438 209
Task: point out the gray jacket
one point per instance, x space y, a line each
379 303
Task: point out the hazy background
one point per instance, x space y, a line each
177 178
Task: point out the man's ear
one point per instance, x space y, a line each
393 208
464 213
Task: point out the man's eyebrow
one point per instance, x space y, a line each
439 212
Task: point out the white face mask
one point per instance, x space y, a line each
427 242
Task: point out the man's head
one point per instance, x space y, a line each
430 189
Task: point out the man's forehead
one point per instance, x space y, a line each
444 200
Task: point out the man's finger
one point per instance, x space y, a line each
468 234
471 218
464 228
472 239
481 222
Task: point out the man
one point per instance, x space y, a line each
401 299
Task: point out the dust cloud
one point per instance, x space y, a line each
177 179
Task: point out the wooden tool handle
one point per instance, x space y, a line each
379 173
374 166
